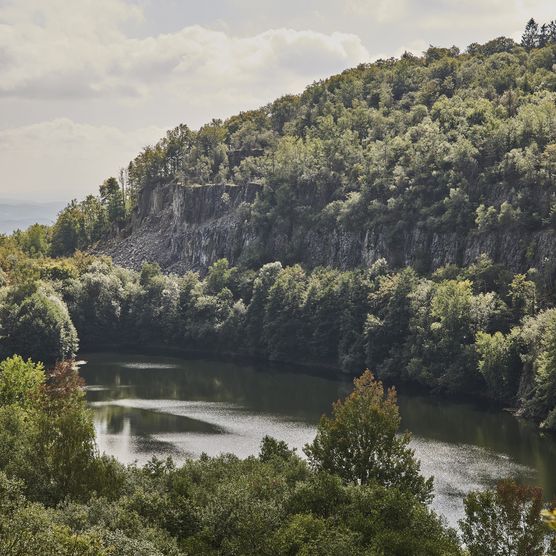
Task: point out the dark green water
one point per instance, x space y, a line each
147 405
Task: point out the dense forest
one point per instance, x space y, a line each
465 141
461 141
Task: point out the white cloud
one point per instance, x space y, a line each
61 55
62 159
382 10
75 58
55 48
125 69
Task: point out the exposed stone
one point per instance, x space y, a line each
189 227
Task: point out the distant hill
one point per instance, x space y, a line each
16 214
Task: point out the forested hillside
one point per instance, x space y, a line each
424 161
399 217
443 167
479 331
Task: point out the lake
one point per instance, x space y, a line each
163 406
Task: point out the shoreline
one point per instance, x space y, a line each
321 369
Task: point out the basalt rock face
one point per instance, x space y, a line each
186 227
189 227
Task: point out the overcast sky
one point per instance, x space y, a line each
85 84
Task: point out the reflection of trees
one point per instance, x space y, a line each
297 395
140 422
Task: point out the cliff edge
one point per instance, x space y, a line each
188 227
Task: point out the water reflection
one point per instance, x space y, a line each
118 419
524 453
146 406
294 395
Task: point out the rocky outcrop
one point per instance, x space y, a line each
189 227
186 227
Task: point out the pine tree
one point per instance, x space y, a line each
552 32
544 36
530 37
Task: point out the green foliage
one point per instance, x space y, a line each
442 323
254 324
29 529
499 364
112 199
36 324
378 454
47 434
64 461
474 330
360 493
57 496
67 232
524 296
95 301
283 327
35 241
272 448
504 521
535 36
543 396
418 147
20 381
449 141
149 272
81 224
219 276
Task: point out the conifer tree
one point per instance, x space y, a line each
530 37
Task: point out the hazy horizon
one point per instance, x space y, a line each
20 214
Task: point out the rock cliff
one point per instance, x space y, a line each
189 227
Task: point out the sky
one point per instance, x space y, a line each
86 84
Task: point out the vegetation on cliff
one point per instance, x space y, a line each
448 141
